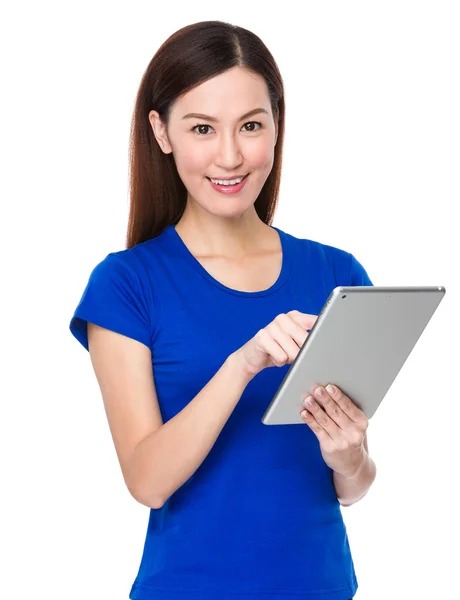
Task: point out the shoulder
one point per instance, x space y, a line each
137 262
346 268
319 251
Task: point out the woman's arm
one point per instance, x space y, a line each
352 489
167 458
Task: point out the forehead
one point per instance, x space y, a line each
228 94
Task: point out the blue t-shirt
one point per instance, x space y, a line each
259 519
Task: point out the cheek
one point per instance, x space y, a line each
190 156
190 160
260 157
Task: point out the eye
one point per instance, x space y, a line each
247 130
252 123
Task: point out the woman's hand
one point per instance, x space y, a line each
340 427
277 344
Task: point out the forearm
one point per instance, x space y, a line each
350 490
169 456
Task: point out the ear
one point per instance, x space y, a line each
159 131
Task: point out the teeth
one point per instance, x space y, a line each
228 182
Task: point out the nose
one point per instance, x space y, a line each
228 154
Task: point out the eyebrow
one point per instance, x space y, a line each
214 120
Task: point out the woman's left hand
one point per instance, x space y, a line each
340 427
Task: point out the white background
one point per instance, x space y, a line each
371 165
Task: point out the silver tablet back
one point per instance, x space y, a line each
360 341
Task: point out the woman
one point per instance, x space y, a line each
183 323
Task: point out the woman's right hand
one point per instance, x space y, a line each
277 344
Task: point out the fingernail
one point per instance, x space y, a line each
330 389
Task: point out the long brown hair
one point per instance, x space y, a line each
186 59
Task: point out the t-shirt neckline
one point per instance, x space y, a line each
285 267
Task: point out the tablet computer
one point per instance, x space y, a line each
360 341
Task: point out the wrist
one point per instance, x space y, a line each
358 467
236 361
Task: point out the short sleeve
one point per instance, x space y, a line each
358 274
113 299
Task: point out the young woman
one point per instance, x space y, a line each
183 323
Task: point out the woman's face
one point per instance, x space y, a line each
226 144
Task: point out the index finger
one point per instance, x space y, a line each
305 320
